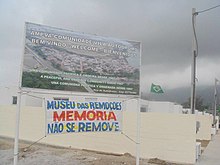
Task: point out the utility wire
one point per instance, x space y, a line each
42 98
30 145
129 138
202 11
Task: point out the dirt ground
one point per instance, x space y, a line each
41 154
204 144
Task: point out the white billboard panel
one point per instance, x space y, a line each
58 59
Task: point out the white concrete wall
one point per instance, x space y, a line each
168 136
186 110
204 132
27 100
36 100
7 93
131 105
163 135
163 107
178 108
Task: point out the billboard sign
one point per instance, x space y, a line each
58 59
64 116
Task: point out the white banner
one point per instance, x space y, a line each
71 116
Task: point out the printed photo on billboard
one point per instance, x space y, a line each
58 59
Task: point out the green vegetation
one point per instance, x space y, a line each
57 66
35 80
199 104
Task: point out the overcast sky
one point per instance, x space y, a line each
162 26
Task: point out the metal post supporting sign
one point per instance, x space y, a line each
17 123
138 132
